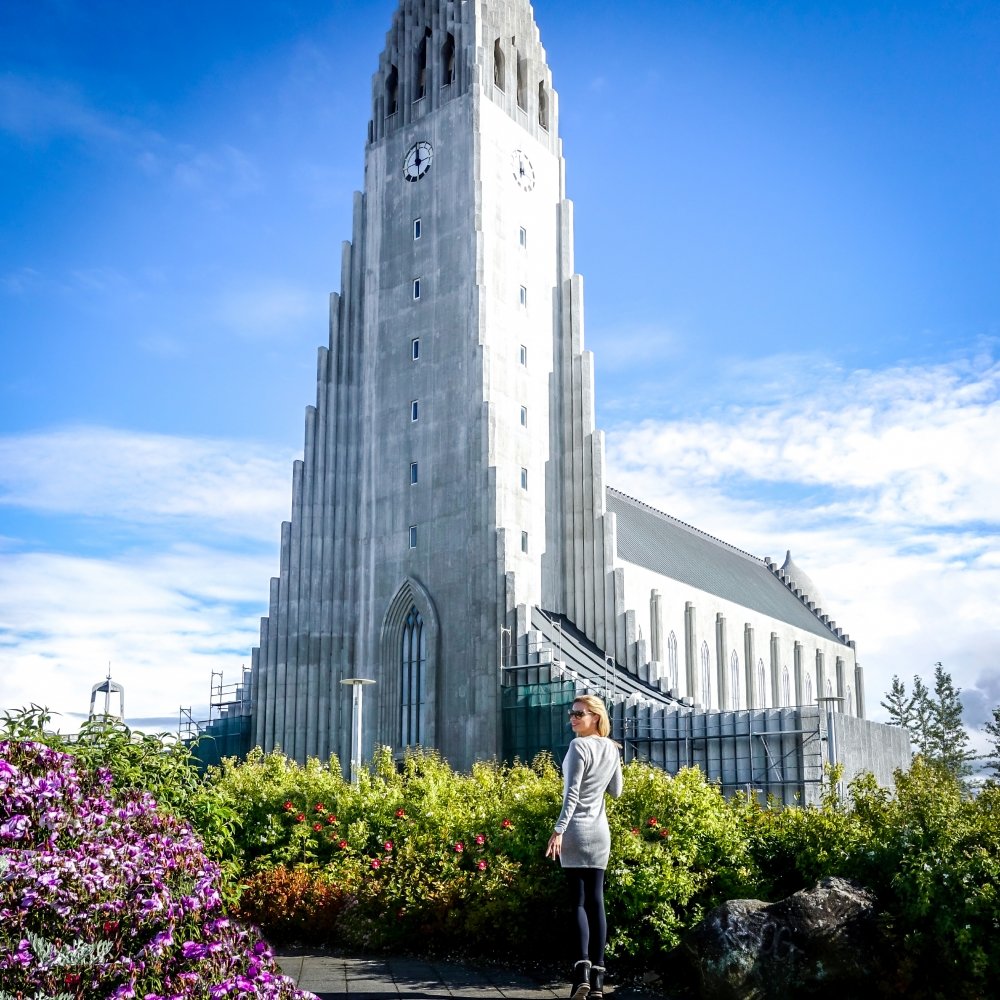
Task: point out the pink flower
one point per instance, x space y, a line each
319 807
505 825
480 839
289 807
388 845
400 814
459 847
653 822
481 865
342 844
317 827
375 863
301 818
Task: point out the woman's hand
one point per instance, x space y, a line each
555 846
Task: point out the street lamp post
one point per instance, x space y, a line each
357 689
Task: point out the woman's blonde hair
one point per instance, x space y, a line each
595 705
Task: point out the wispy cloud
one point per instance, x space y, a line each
207 486
266 310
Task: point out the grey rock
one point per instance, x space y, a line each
819 942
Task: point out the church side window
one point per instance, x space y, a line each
522 237
543 105
523 355
524 416
761 684
414 409
421 81
524 479
415 349
392 92
522 85
809 689
734 680
672 661
706 676
414 474
523 295
448 60
416 288
786 687
413 536
524 541
498 66
413 668
417 229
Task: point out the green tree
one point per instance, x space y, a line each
947 741
898 705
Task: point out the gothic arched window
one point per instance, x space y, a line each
786 687
392 92
413 664
672 661
734 681
543 105
706 676
761 685
421 80
448 60
499 72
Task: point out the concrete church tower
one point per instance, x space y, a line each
450 472
452 537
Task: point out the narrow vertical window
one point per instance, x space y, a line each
448 60
415 349
706 676
524 416
809 689
522 85
543 105
416 288
522 237
761 685
498 66
392 92
849 702
786 687
413 536
417 229
414 474
413 668
524 479
523 354
672 661
524 541
414 409
523 295
734 681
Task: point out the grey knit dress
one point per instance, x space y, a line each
591 768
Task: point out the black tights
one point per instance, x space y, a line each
586 890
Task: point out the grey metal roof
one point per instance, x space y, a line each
674 549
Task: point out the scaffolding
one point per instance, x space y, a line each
227 730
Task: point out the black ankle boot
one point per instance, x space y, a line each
597 982
581 980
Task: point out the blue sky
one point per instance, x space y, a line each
787 218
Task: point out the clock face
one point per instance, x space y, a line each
524 172
418 161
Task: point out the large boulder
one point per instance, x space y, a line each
817 943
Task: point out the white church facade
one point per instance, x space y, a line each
452 536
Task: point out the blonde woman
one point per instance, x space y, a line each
581 840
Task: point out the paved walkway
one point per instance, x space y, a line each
336 977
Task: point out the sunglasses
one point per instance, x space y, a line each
575 713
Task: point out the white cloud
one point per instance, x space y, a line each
882 484
211 486
186 532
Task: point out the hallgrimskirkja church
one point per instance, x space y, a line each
452 536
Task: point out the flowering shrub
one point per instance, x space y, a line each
103 896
